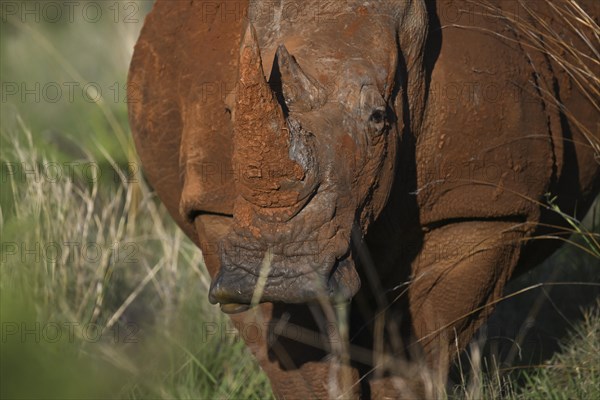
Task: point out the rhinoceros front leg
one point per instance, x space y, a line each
458 275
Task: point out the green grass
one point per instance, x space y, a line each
146 291
571 373
574 372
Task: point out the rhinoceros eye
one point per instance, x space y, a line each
377 121
373 110
377 117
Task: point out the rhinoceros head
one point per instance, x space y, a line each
314 150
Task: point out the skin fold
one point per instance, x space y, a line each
354 157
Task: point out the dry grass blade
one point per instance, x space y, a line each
265 269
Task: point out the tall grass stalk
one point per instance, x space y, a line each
76 252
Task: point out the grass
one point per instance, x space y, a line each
132 287
542 338
571 373
102 296
574 372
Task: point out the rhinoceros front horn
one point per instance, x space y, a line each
266 175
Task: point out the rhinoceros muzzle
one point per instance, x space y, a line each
305 259
237 289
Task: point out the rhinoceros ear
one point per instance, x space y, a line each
300 91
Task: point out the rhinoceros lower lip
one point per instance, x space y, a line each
234 308
235 289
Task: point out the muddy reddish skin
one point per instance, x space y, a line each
330 138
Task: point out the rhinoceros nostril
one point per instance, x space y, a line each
218 293
228 300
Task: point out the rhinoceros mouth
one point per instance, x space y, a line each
237 288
